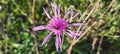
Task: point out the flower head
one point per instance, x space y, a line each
57 25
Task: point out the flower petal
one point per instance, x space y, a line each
46 39
69 34
71 18
39 28
60 43
66 14
76 24
54 8
46 13
72 33
58 10
79 33
57 42
71 15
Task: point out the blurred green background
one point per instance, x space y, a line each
16 23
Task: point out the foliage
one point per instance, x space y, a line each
17 36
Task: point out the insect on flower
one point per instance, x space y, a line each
58 24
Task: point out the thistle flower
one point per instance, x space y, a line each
57 25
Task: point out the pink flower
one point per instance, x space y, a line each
57 25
